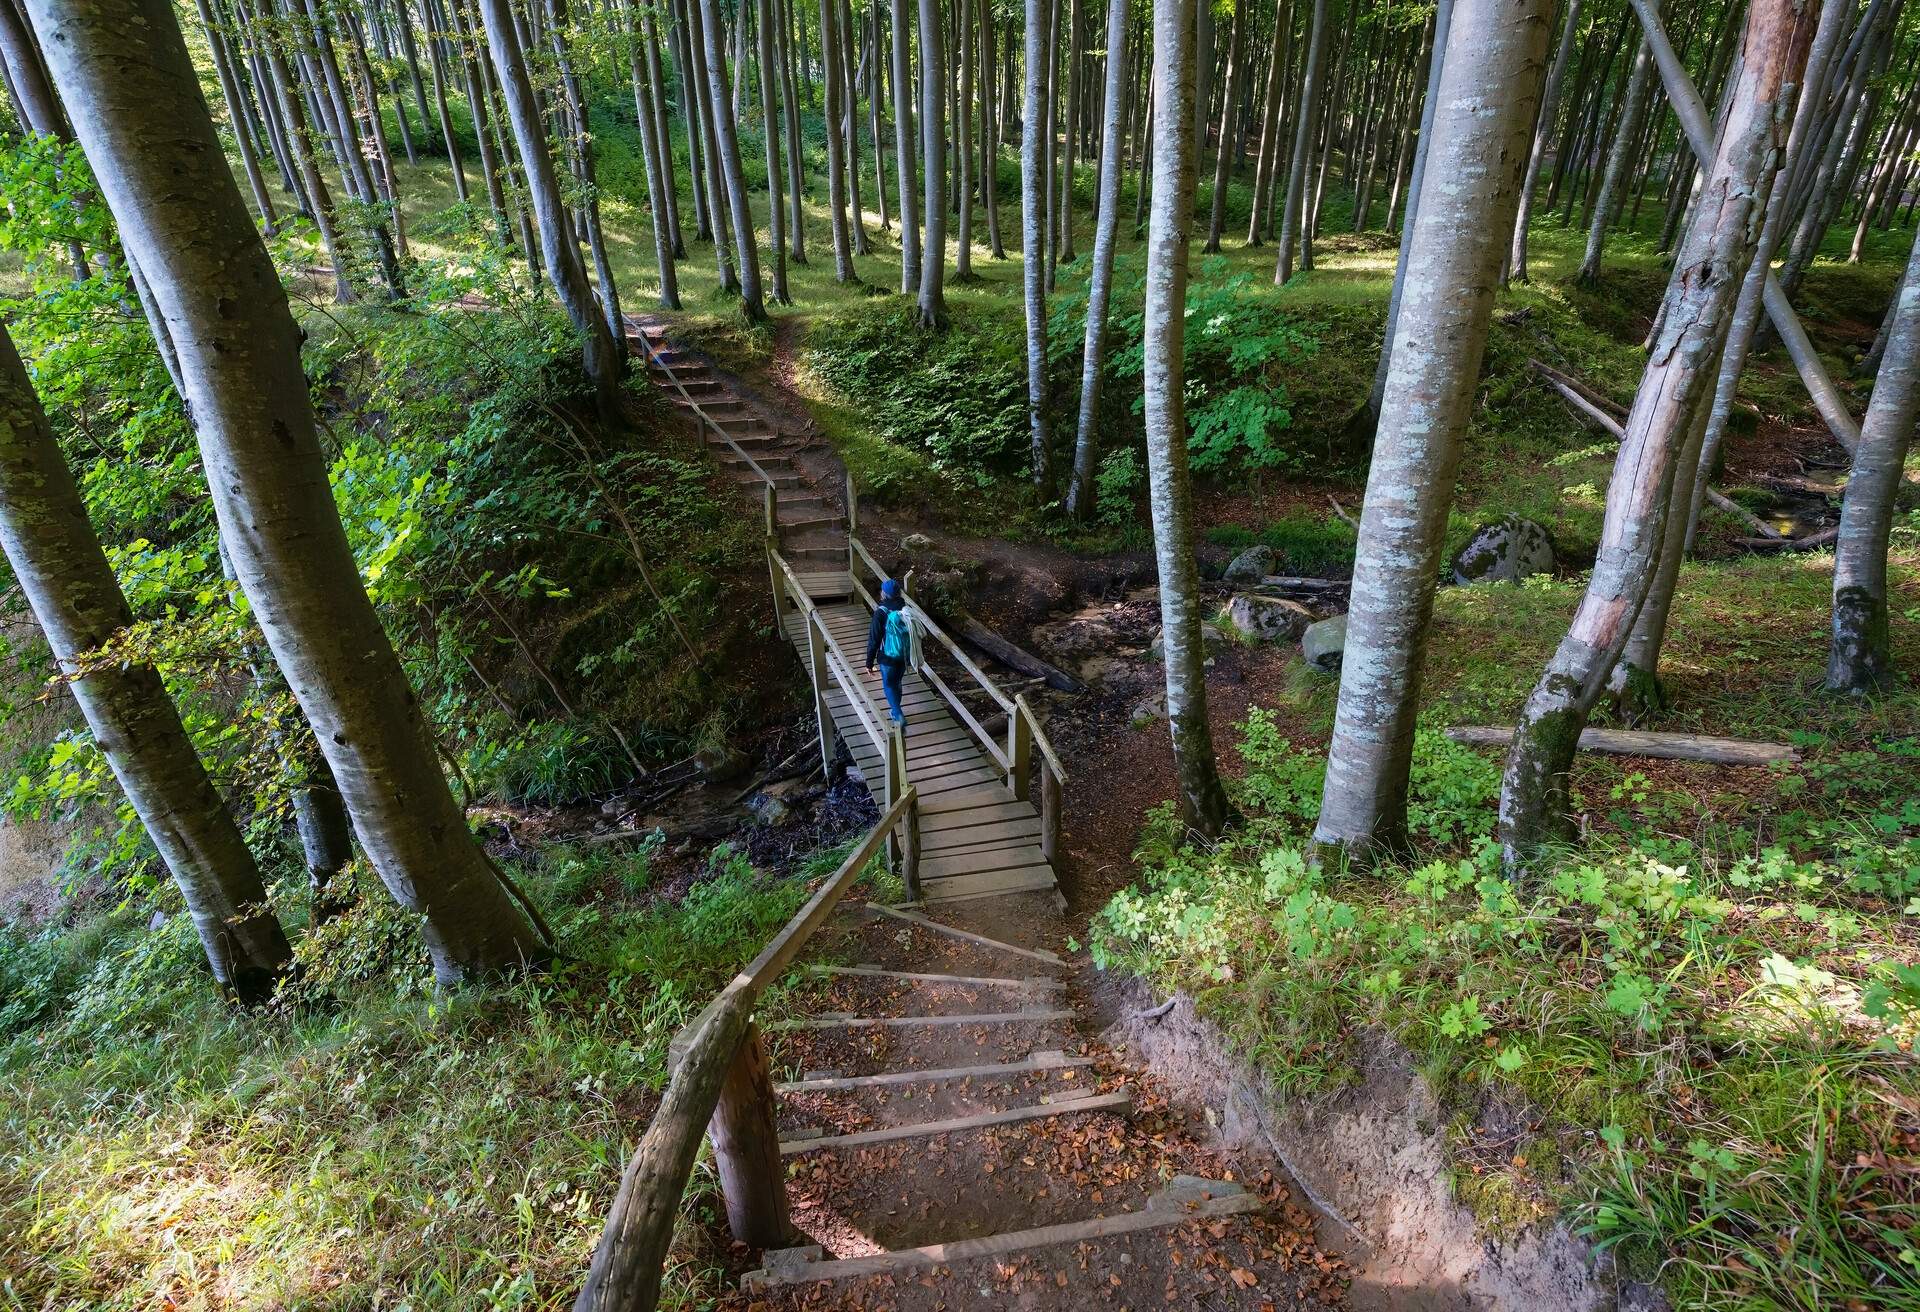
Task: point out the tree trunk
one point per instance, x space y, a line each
1223 157
603 356
230 91
836 173
320 203
770 132
1270 119
1202 800
66 578
727 148
1549 107
1292 217
796 173
1100 280
658 160
1033 241
1619 161
1861 657
1064 221
933 129
903 163
1712 261
437 64
1476 138
963 145
490 166
1436 63
708 89
124 65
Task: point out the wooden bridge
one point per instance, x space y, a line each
975 1036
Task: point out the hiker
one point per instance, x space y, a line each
890 642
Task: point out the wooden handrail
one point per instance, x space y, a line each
653 358
844 675
1041 740
927 622
626 1268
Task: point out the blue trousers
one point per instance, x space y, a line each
890 676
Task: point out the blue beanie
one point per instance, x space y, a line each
889 589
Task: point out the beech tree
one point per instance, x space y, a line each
124 73
727 148
933 127
1201 798
603 356
1033 240
1711 262
67 581
1860 659
1484 108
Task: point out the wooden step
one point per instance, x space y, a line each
965 935
1025 982
1118 1103
1185 1198
1030 1016
1050 1060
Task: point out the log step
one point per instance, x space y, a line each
1051 1060
965 935
892 1022
1185 1198
980 981
1105 1102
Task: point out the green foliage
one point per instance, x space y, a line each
1675 1000
548 763
957 396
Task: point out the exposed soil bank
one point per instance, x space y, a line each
1373 1159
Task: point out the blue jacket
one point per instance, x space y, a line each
877 632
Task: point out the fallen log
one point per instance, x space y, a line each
1745 516
1603 406
1299 583
1660 746
1016 658
1826 537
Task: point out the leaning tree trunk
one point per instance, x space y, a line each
658 161
574 102
1033 241
1549 106
61 568
1861 658
727 146
1202 800
319 202
602 354
933 153
123 67
236 111
1293 217
1100 280
1707 274
1477 138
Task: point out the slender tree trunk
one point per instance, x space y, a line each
700 47
658 162
1202 800
1712 261
320 203
603 356
1033 241
678 34
1549 106
61 568
836 174
1475 137
933 129
1064 223
236 103
1223 157
437 64
904 164
963 145
1293 218
1861 657
1270 119
1619 161
843 15
575 104
490 166
1100 280
796 174
727 148
123 66
990 129
770 133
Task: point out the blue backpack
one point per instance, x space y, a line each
896 641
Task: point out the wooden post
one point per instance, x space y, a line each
770 498
909 828
746 1149
817 664
773 567
853 528
896 787
1019 751
1050 805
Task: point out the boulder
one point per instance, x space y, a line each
1251 565
915 543
1324 642
1151 708
718 765
770 811
1505 551
1268 619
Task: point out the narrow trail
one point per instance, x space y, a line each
954 1132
